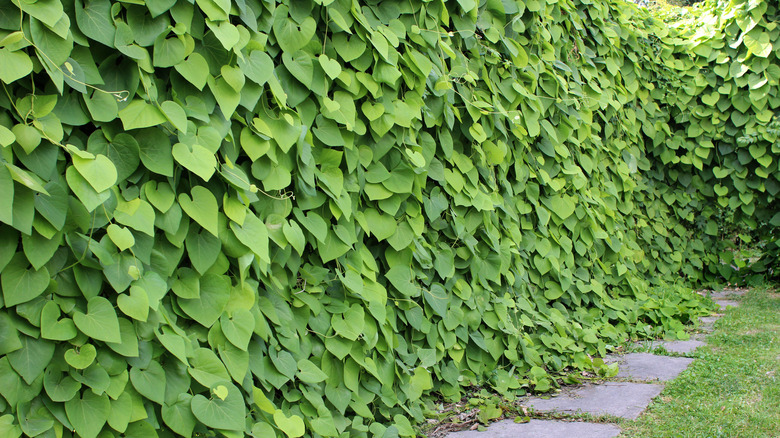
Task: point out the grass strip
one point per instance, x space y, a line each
733 388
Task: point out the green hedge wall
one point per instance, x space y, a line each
300 217
716 163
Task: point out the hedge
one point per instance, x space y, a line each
289 218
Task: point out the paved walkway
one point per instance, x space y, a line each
640 379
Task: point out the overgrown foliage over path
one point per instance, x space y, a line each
299 217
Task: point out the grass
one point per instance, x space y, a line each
733 388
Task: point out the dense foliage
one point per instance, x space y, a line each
298 217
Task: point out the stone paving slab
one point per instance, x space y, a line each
681 347
726 293
621 399
542 429
649 367
727 303
707 323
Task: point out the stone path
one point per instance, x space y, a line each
639 380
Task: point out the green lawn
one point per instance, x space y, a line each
733 388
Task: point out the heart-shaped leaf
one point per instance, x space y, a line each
175 114
238 327
30 360
99 172
121 236
292 36
372 111
160 195
90 198
88 413
135 305
195 69
54 329
228 413
292 426
202 249
331 66
100 321
149 381
214 295
258 66
196 159
20 283
178 416
202 208
60 387
82 357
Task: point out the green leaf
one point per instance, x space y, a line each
292 36
758 42
95 20
169 52
238 328
123 151
401 278
121 412
301 66
155 150
381 226
420 381
214 296
21 284
14 65
60 387
88 413
27 137
81 358
196 159
121 236
139 114
48 11
39 249
100 321
207 369
350 324
562 206
294 234
292 426
175 114
254 234
128 345
9 336
149 381
136 214
202 208
179 417
258 66
227 97
160 195
90 198
215 10
99 172
54 328
331 66
30 360
310 373
135 305
202 250
228 413
194 69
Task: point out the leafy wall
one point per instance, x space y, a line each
289 218
715 161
